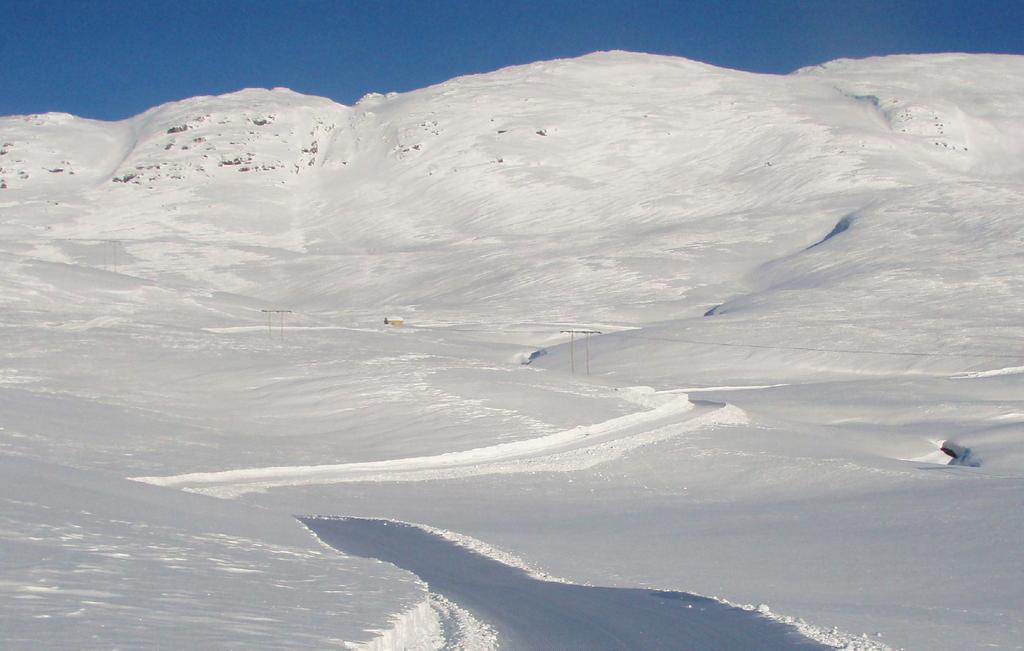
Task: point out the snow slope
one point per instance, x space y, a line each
846 238
92 561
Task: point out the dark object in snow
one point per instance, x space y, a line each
960 455
540 352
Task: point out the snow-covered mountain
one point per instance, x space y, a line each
615 187
853 230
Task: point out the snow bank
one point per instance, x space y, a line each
573 449
417 629
1010 370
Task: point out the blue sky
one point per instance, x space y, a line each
111 59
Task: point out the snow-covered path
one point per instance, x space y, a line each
572 449
528 613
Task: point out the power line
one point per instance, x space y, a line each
633 334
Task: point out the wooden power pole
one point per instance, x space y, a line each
270 318
572 346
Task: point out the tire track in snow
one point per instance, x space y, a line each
573 449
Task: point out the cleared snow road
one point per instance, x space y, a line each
574 449
528 613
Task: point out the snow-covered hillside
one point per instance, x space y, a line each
847 239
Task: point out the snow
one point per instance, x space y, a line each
530 613
574 449
96 560
418 629
461 629
786 448
1010 370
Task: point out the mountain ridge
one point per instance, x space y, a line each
614 187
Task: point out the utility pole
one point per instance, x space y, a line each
588 333
572 346
111 247
270 318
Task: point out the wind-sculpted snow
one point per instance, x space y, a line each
1010 370
616 192
841 226
571 450
87 564
531 614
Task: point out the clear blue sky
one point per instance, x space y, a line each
111 59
